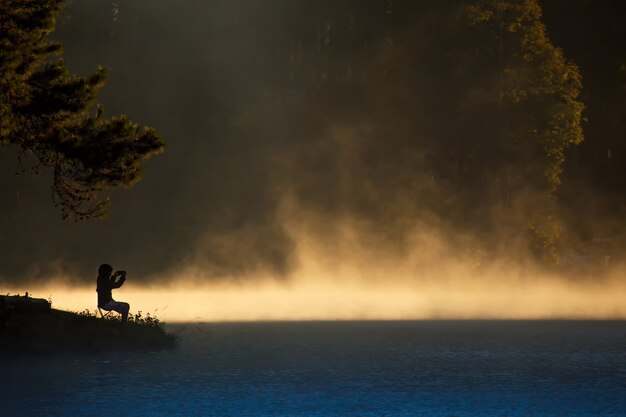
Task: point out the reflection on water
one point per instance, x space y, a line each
429 368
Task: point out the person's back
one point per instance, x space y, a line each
105 285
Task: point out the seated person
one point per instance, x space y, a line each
106 283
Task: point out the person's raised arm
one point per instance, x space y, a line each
120 282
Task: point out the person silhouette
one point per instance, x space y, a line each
106 283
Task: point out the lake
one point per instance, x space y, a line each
389 368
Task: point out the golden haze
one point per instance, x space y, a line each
347 279
314 298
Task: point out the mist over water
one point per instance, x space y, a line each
315 170
361 288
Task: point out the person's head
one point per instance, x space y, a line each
105 269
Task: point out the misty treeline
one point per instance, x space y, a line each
52 116
494 128
469 114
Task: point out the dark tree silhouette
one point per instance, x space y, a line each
52 114
523 106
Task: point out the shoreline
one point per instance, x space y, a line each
34 330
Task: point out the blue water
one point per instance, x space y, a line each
427 368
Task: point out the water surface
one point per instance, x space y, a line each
410 368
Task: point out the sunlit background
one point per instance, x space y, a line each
344 160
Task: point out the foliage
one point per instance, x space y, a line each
528 84
463 108
519 100
52 114
593 34
138 318
147 320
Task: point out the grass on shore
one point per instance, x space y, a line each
63 331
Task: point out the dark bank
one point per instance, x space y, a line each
31 326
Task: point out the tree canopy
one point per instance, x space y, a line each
52 115
470 106
522 104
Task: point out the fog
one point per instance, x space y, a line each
311 173
345 296
346 281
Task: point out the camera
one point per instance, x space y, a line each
120 273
